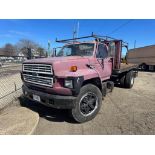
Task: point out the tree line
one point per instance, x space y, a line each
22 48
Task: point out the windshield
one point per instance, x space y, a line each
84 49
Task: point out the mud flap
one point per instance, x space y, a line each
107 87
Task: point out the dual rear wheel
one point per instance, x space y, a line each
127 80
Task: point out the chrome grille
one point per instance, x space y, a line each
41 68
38 74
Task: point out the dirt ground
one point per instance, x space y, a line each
124 111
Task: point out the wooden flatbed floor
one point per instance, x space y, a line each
125 67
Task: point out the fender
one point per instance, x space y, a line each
82 77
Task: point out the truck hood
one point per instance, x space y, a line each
52 60
62 65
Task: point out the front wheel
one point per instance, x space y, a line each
87 104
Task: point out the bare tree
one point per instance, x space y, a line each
41 51
27 43
9 50
24 45
30 48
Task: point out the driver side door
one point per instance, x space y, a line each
103 62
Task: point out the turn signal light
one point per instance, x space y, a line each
73 68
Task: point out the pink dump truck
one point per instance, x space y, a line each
79 75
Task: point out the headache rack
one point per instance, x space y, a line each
99 38
116 55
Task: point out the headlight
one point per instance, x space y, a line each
69 83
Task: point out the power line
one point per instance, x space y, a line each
119 27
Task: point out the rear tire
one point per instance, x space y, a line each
87 104
122 81
129 80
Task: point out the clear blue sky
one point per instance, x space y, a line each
40 31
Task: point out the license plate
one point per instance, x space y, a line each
36 97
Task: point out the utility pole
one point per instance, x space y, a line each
29 55
135 44
76 31
49 45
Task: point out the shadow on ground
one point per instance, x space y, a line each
48 113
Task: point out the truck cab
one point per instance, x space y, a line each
78 76
95 53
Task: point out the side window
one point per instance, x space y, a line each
102 51
112 49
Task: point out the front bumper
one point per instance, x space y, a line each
50 100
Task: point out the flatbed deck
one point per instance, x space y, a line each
124 67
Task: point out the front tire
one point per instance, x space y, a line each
87 104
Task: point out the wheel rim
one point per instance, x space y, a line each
88 103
